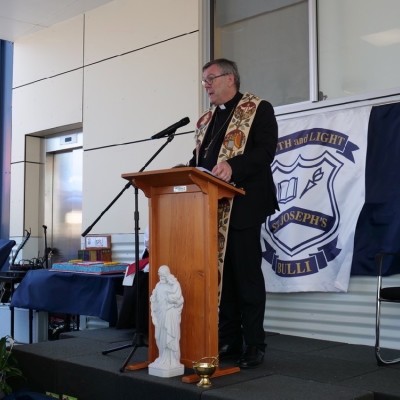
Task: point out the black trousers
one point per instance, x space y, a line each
242 306
127 317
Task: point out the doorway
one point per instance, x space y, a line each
63 195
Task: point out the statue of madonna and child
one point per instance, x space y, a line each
166 303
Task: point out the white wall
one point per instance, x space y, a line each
122 72
47 94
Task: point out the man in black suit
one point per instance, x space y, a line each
236 140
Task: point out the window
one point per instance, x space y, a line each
269 42
274 45
358 46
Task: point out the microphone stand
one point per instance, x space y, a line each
128 185
138 339
46 250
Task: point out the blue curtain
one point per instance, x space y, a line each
378 227
6 55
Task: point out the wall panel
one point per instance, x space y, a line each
33 198
49 52
134 101
17 194
125 25
46 104
129 98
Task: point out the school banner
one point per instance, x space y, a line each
319 174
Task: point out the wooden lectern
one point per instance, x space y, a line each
183 235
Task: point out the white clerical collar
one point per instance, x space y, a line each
222 106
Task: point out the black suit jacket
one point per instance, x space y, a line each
252 171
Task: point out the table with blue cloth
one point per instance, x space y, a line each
69 293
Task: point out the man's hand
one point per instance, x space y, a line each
223 171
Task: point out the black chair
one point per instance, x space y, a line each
8 277
6 246
127 317
384 295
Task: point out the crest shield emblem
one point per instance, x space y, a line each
309 213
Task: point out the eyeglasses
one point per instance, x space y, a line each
210 79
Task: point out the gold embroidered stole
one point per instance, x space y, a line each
233 144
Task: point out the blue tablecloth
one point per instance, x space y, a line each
69 293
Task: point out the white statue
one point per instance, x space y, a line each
166 302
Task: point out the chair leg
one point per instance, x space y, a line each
377 333
380 361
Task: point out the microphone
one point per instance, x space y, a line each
171 129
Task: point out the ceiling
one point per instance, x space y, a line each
23 17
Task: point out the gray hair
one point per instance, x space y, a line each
227 67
